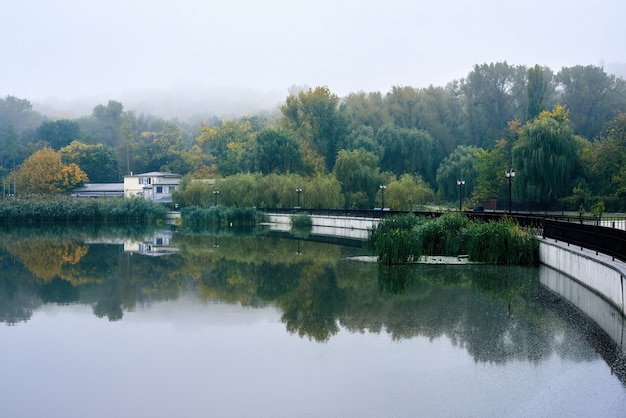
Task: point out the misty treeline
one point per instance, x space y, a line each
564 134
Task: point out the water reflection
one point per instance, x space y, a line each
497 314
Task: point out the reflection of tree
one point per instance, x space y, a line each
58 291
491 311
18 297
45 258
315 305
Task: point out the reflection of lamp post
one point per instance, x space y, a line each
510 173
382 190
298 190
215 193
460 183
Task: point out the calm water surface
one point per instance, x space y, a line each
145 323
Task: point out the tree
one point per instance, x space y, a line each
191 192
226 143
363 137
461 164
276 150
98 161
110 119
59 133
408 191
592 97
19 114
366 109
545 157
315 117
608 158
493 95
538 90
407 151
357 172
491 165
44 173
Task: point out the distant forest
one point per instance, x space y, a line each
563 133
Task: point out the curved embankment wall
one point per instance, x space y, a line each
602 273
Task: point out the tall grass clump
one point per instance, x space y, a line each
502 242
220 216
394 241
398 241
301 221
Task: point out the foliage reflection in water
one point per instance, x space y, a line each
498 315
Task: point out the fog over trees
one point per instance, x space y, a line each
562 131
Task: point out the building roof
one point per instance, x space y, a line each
99 189
154 174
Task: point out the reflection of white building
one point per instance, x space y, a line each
156 185
157 245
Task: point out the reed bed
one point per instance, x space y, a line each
220 216
401 240
66 209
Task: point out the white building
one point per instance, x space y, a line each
156 185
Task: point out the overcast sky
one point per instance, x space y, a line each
69 49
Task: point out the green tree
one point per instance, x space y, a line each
59 133
440 116
315 117
592 97
366 109
407 151
19 114
461 164
539 89
227 144
545 158
408 191
109 120
192 192
493 95
491 165
98 161
608 158
276 150
363 137
357 172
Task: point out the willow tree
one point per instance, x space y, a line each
461 164
545 158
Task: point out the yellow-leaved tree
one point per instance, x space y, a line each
44 173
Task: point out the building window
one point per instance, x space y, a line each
145 180
159 189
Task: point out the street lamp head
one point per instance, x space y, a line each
460 182
509 173
383 186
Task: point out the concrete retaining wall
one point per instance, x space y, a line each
337 226
599 272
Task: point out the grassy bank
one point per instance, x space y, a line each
402 239
66 209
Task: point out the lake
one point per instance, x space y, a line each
149 322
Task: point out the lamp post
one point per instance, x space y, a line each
460 183
382 190
298 190
510 173
215 193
